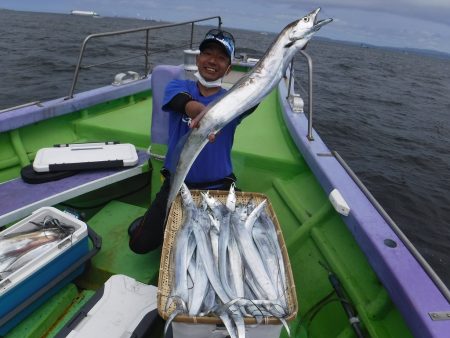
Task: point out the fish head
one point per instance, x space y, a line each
231 198
300 31
186 196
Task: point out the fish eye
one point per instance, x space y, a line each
306 19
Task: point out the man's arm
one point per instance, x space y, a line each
183 103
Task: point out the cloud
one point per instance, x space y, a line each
389 30
432 10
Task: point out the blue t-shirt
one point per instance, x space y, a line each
214 161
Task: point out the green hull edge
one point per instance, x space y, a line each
115 256
265 160
53 315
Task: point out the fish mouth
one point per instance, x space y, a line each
318 23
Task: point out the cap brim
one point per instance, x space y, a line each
215 41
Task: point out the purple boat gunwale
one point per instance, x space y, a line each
409 286
16 118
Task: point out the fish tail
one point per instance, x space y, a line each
180 308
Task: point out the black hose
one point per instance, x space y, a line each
352 317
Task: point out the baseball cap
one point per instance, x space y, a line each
224 38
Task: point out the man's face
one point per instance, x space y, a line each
213 63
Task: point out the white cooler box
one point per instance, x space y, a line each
80 156
122 308
47 270
185 330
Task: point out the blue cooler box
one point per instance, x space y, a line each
26 288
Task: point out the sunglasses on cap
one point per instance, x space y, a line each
223 37
218 33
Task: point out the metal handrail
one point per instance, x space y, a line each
131 31
310 91
395 228
34 103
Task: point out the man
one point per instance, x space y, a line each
184 100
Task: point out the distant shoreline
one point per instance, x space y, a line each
426 52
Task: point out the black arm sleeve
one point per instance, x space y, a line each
178 103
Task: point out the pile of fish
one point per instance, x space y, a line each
227 262
19 248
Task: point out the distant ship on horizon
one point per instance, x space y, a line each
84 13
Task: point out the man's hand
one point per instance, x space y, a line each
212 137
196 113
194 108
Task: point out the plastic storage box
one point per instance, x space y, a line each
123 307
79 156
29 286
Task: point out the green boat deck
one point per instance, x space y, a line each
265 160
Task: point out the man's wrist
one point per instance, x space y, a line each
193 108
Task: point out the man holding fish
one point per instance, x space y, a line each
184 100
198 115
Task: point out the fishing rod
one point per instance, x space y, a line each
348 308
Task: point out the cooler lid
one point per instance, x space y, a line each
124 307
79 156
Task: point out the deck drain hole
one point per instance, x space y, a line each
390 243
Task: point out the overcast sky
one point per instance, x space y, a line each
421 24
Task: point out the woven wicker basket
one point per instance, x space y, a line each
174 222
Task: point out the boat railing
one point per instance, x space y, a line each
395 228
29 104
388 242
310 90
134 31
